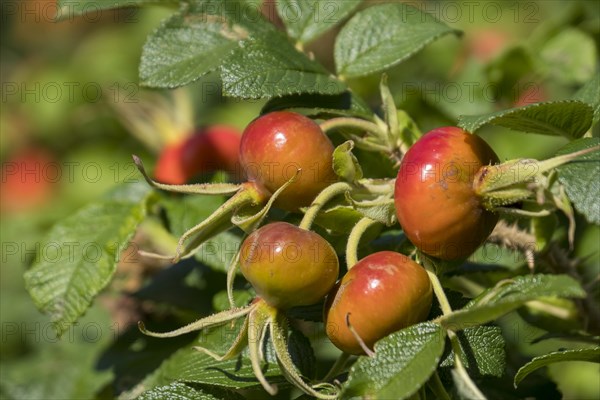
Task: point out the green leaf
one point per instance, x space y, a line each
580 178
381 209
590 94
338 218
185 47
187 391
313 313
193 366
509 295
483 351
382 36
79 255
346 104
570 119
273 67
69 8
345 164
302 353
307 19
592 355
403 362
51 368
569 57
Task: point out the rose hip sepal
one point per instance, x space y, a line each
288 266
259 318
436 204
383 293
275 145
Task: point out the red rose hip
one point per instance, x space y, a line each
210 149
288 266
435 202
275 145
384 292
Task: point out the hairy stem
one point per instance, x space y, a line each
319 202
354 239
349 122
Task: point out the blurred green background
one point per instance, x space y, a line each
66 88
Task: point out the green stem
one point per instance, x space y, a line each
437 387
460 369
557 161
354 239
349 122
338 366
438 289
458 352
326 195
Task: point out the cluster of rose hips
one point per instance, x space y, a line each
439 198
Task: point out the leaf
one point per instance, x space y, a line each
273 67
592 355
192 366
51 368
381 209
568 118
346 104
509 295
338 218
313 313
185 47
69 8
79 255
569 57
590 94
580 178
403 362
302 353
186 391
305 20
483 351
345 164
382 36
